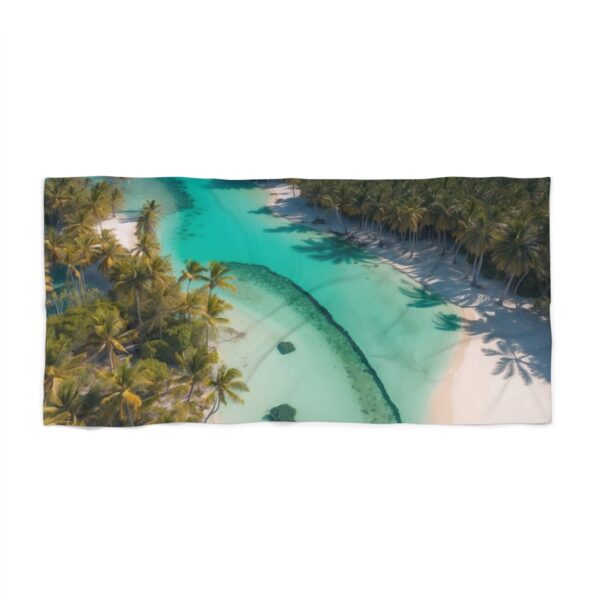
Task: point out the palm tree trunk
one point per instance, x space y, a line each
546 290
479 263
479 267
138 303
520 280
214 408
456 251
190 392
501 301
474 268
337 212
129 415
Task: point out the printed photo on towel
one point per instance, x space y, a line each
221 301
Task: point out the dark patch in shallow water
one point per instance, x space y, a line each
254 272
176 185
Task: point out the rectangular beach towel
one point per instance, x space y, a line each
212 301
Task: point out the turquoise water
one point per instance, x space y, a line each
372 336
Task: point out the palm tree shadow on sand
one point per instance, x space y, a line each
520 354
447 322
288 228
520 350
263 210
421 297
511 361
333 250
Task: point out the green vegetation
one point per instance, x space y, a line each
502 224
135 347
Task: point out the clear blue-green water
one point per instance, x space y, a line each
368 341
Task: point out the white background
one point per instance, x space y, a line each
308 89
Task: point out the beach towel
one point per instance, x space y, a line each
211 301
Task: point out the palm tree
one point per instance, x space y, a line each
71 259
380 212
126 380
88 247
53 245
294 183
108 333
442 218
48 279
64 408
516 252
464 210
194 303
191 272
133 280
212 315
164 300
58 192
396 218
195 366
312 190
479 237
224 385
148 219
414 213
218 278
98 201
147 244
117 201
159 268
79 221
332 201
60 365
110 252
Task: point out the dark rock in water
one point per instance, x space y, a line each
285 347
283 412
318 221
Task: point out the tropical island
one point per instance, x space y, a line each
175 299
140 347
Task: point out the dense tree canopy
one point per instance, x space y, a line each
134 347
501 223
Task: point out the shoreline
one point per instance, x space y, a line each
499 370
441 405
123 227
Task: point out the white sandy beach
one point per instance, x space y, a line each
123 227
500 370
